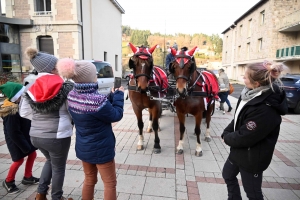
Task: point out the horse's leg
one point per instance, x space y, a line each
149 129
140 145
155 126
181 118
198 119
208 118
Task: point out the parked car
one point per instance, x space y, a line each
127 74
105 76
291 85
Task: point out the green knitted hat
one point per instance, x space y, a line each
12 90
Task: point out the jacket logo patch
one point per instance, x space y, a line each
251 125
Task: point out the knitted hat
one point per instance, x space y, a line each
42 62
12 90
79 71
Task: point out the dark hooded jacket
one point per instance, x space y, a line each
257 127
16 131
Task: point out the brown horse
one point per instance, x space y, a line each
138 88
195 97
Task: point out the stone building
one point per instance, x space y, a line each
270 30
78 29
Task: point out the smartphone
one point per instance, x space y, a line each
117 82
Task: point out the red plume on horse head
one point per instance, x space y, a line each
137 49
191 52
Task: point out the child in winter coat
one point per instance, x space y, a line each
16 131
51 125
93 114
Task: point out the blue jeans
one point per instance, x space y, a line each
224 98
251 182
56 152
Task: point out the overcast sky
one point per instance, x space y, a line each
183 16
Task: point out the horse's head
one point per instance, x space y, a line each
142 64
183 68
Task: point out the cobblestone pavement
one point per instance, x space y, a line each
143 175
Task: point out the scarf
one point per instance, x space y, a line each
84 98
248 94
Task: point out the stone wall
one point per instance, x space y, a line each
65 43
21 9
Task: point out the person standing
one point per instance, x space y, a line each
224 90
93 114
170 58
51 127
16 131
253 133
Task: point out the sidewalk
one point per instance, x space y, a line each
143 175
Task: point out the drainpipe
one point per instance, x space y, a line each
82 40
232 28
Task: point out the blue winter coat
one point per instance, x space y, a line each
95 140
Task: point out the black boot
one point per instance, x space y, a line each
229 109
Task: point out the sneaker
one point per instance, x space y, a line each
10 187
30 181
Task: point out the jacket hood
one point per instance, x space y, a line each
8 108
50 102
275 98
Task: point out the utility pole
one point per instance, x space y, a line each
164 47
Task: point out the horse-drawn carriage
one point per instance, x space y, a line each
191 92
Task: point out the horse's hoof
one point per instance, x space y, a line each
198 154
207 139
140 147
149 130
179 151
156 151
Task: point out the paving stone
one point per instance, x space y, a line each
280 194
160 187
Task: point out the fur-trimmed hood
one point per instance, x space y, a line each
8 108
54 103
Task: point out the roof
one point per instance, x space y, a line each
258 4
118 6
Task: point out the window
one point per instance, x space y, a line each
249 27
105 55
241 29
116 62
46 44
239 51
248 51
262 17
42 6
259 44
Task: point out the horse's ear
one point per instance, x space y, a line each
131 63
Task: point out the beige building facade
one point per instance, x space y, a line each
270 30
78 29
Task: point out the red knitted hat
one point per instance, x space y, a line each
45 88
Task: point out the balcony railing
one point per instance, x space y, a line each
291 52
43 13
290 21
